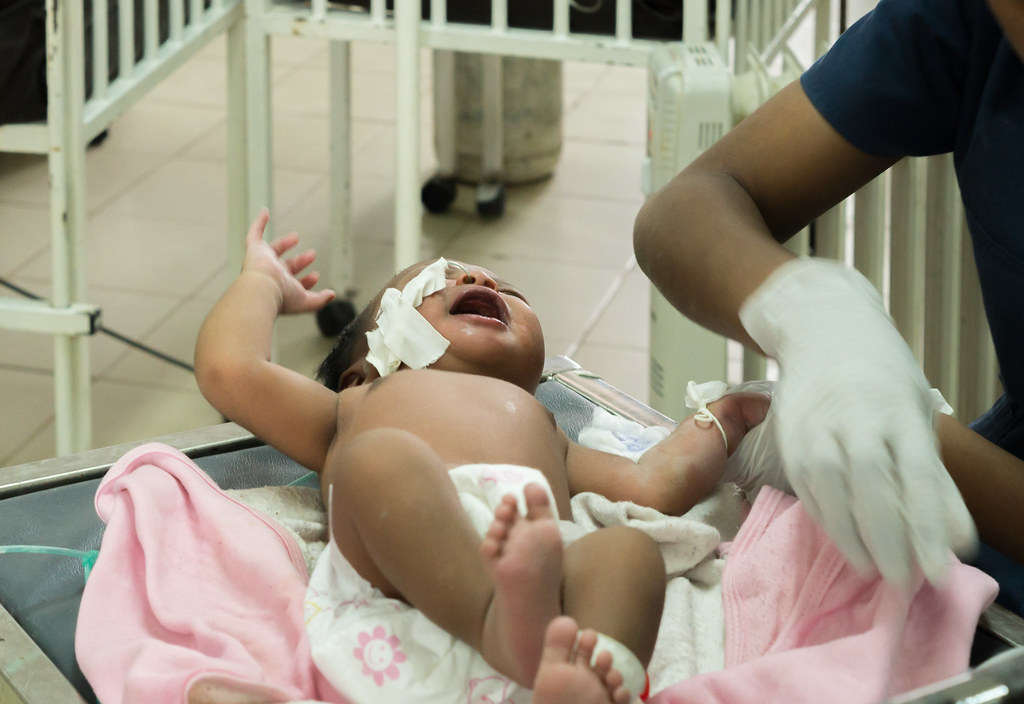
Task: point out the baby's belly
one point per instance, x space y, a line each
469 420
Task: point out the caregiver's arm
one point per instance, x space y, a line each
711 235
992 483
852 407
234 371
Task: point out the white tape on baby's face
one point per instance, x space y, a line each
402 334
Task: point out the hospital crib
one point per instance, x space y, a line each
123 70
51 503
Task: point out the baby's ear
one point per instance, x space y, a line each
358 373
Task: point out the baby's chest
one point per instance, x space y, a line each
467 419
496 432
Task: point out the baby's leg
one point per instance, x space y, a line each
524 555
565 675
397 518
615 584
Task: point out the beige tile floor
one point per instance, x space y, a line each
157 239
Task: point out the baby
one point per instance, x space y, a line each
441 375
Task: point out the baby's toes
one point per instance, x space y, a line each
585 645
507 511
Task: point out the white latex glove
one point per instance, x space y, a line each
757 463
853 422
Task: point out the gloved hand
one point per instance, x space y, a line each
852 417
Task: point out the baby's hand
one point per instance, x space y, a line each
266 257
740 412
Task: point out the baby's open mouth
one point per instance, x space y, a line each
482 302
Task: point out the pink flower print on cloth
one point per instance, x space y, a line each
502 475
490 690
380 654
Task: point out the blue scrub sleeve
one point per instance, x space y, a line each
893 83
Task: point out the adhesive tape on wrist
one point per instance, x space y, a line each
698 396
402 334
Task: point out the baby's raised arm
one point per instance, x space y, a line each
234 371
679 471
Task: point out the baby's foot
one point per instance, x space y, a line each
565 675
524 556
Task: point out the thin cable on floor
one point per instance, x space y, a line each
602 306
107 331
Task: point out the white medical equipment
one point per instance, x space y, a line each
688 110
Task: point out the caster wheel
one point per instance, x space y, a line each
438 193
490 200
333 317
100 138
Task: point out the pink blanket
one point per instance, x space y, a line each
803 626
191 588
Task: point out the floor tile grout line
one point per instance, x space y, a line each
602 306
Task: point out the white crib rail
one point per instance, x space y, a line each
72 122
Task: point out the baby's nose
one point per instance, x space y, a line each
475 276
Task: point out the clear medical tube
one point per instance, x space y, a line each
87 557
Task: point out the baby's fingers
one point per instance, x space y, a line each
300 261
309 280
255 233
285 242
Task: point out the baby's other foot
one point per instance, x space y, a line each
566 676
524 557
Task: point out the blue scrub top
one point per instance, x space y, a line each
923 77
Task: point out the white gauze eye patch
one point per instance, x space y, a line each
402 334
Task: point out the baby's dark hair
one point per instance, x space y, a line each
342 354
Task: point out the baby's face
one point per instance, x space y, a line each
489 325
